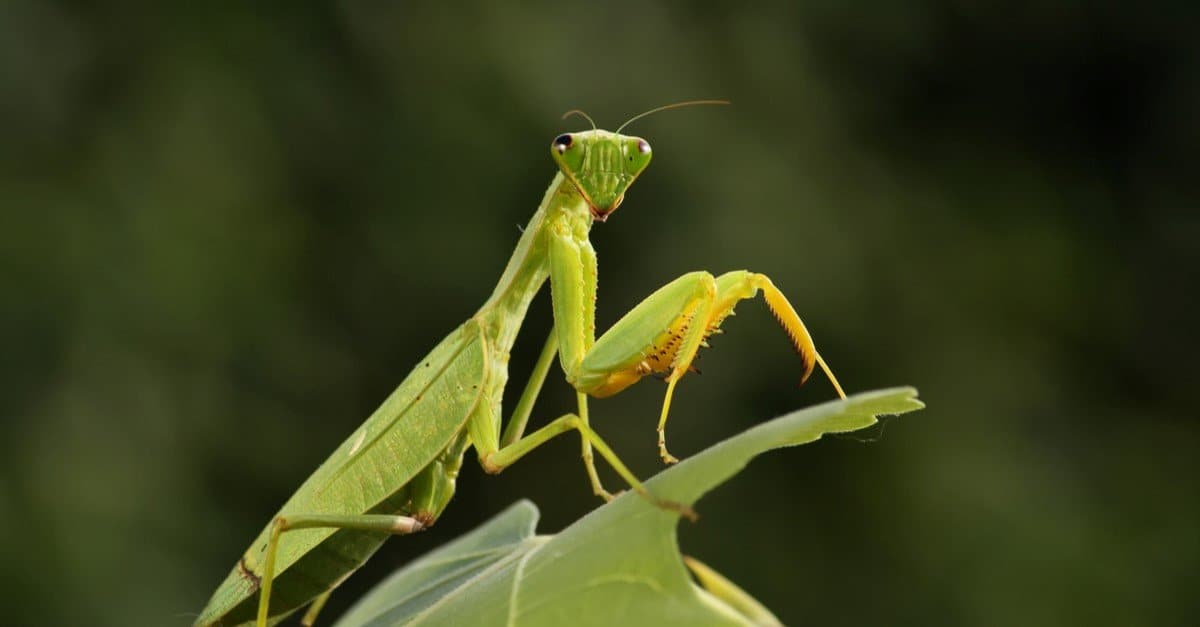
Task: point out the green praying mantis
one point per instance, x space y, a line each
396 473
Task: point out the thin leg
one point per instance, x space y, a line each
399 525
662 423
494 461
520 416
695 329
729 592
314 608
589 463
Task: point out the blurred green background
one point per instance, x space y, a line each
229 230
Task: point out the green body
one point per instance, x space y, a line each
396 473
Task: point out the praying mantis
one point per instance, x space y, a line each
396 473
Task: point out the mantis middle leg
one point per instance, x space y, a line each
497 452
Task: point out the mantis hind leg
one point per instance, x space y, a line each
314 608
663 333
383 523
737 599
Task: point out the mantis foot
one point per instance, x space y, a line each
608 496
679 508
662 449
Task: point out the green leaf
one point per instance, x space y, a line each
620 563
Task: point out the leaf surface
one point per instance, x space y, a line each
618 564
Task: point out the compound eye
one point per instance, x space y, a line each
643 147
562 143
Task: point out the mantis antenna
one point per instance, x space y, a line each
580 114
675 105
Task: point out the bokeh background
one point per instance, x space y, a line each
229 230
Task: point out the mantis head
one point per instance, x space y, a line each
601 165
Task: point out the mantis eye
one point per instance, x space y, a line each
643 146
562 143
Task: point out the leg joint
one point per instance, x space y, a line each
489 466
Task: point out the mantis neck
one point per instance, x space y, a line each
528 267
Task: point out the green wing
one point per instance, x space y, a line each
402 437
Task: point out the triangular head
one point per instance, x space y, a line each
602 165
